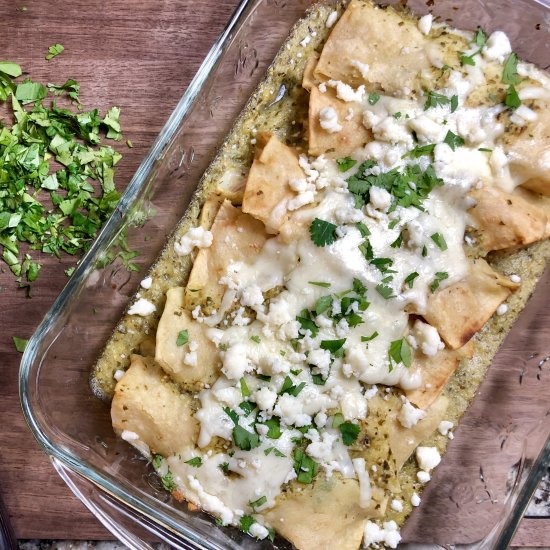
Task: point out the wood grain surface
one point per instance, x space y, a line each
139 55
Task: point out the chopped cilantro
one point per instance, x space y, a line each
385 291
369 338
49 208
305 467
245 391
274 427
512 99
424 251
400 352
359 287
225 467
183 338
409 279
54 51
322 232
510 72
157 461
289 387
323 304
168 482
349 432
366 249
257 503
344 164
439 276
242 438
247 407
485 150
393 223
275 451
332 345
374 98
245 523
454 103
397 115
382 264
435 99
467 59
398 242
409 188
256 338
420 151
453 141
20 343
196 462
480 37
307 323
69 271
319 283
439 240
363 229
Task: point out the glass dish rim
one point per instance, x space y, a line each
137 183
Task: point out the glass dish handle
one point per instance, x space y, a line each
116 517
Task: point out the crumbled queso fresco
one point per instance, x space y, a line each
299 370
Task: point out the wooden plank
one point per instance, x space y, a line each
138 55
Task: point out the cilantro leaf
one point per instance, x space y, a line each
510 72
274 427
183 338
344 164
245 523
20 343
512 99
453 140
439 276
454 103
289 387
256 338
322 232
257 503
480 37
245 391
439 240
323 304
54 51
319 283
244 439
369 338
385 291
196 462
400 352
29 91
307 323
420 151
10 68
337 420
305 467
349 432
409 279
374 98
332 345
467 59
435 99
363 229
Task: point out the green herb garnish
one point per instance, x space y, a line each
439 276
322 232
439 240
453 141
54 51
344 164
20 343
349 432
400 352
196 462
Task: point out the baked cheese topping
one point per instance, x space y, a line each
343 298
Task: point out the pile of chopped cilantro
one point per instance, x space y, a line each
56 177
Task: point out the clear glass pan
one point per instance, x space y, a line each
501 450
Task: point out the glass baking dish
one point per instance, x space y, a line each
501 450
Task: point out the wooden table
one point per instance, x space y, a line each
139 55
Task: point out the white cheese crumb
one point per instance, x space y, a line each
146 283
374 534
299 185
258 531
425 23
142 307
380 198
346 93
190 359
444 427
354 406
427 457
119 373
210 503
497 46
423 477
321 419
515 279
265 399
302 199
331 19
305 41
397 505
195 237
427 338
328 119
363 68
409 415
415 500
502 309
